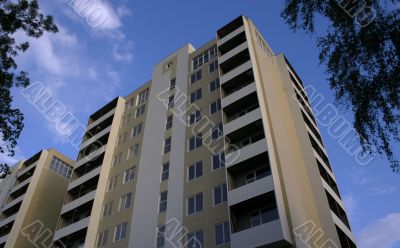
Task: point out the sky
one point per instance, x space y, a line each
86 65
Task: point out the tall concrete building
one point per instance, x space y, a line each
31 198
219 149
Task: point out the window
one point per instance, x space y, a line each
126 119
169 65
195 141
204 57
120 231
129 104
133 151
61 168
102 238
168 125
222 233
195 170
171 101
129 175
160 236
196 76
140 110
163 201
195 117
195 204
172 84
220 194
195 96
121 139
143 96
112 183
125 201
218 161
117 159
107 209
214 85
216 106
213 66
167 145
165 171
136 130
217 131
257 174
195 239
263 216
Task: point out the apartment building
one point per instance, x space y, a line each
31 198
220 149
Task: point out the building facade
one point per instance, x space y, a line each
220 149
31 199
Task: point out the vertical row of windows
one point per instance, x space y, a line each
195 170
169 122
165 172
195 96
213 66
214 85
196 76
163 201
195 204
195 141
143 96
216 106
120 232
136 130
167 145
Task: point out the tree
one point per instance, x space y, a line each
361 49
21 15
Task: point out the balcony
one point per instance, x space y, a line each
70 229
230 28
83 189
3 239
241 173
91 156
250 190
247 66
245 120
234 39
21 173
234 157
78 202
86 177
235 61
240 93
13 202
260 236
256 223
8 220
101 119
242 48
93 146
21 185
97 116
95 137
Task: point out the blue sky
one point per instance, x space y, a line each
84 68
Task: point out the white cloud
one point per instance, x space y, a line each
351 205
383 189
97 14
383 233
123 51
